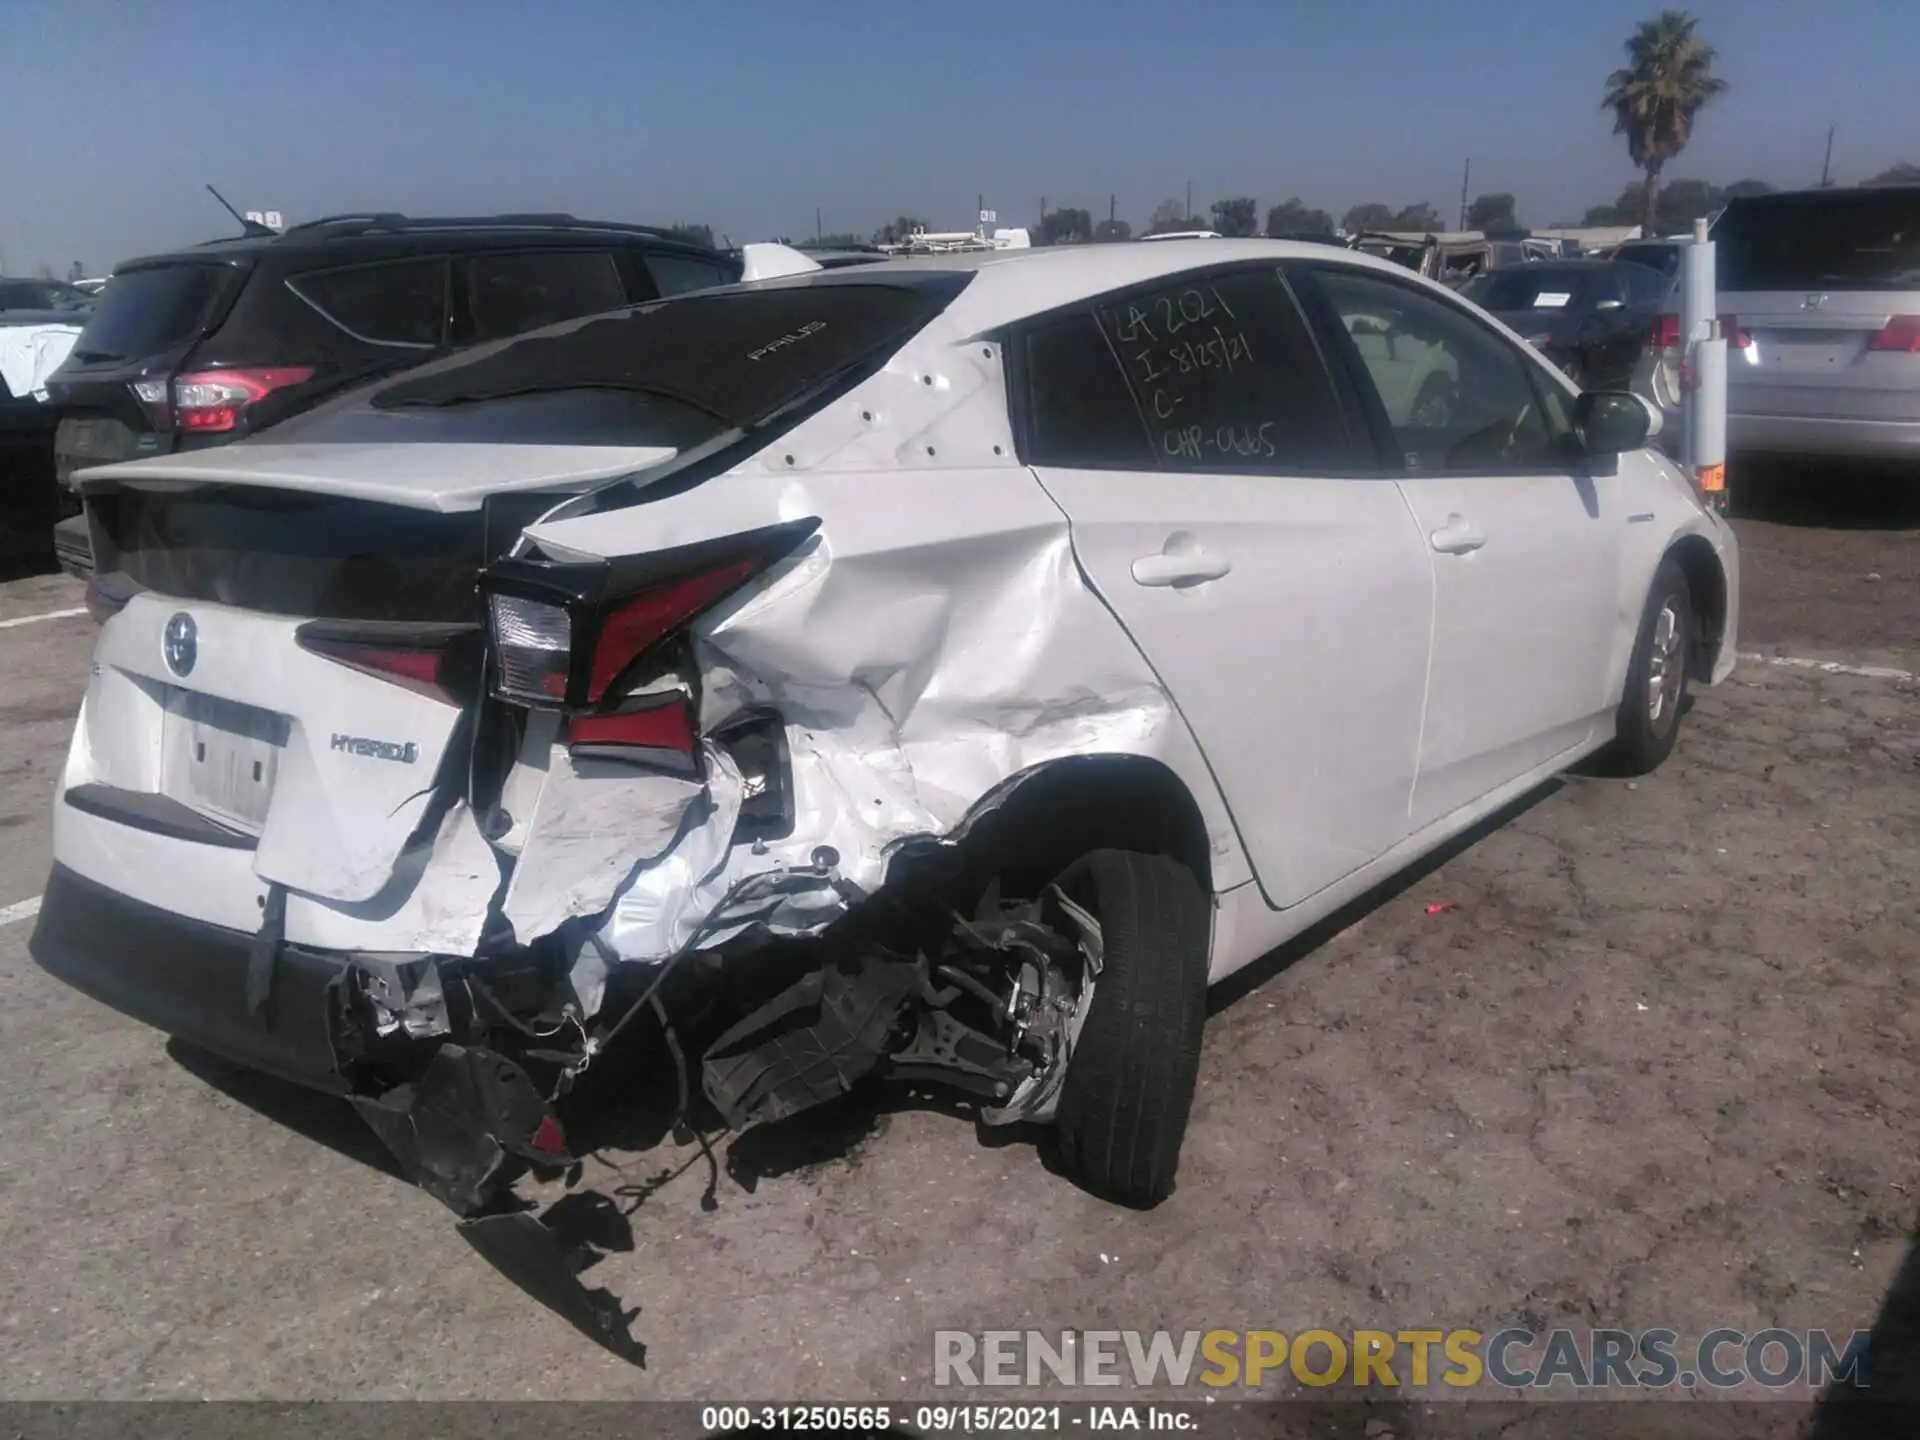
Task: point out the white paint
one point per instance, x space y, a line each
20 910
1832 667
770 261
47 615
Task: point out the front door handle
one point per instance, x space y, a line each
1189 568
1458 536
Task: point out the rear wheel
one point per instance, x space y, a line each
1129 1087
1648 722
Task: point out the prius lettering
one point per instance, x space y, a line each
405 753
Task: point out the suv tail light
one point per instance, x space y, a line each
1901 335
156 403
438 661
565 633
211 402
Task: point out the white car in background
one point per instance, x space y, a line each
958 662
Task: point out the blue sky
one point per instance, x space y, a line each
746 114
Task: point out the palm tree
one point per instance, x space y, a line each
1668 78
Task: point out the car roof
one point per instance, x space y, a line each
1010 285
371 234
1829 193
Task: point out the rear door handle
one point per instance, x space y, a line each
1190 568
1458 536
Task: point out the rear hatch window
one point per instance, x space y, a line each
152 310
1867 240
735 355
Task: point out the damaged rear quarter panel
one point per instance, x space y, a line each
933 641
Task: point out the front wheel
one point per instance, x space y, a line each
1129 1085
1648 722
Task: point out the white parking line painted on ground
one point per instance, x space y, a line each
36 619
20 910
1832 667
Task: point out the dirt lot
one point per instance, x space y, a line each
1654 1064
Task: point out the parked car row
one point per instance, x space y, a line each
204 346
1819 300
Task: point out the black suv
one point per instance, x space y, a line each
202 346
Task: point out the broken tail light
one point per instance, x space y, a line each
438 661
566 633
660 735
532 649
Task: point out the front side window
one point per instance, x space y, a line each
402 302
512 292
1214 373
1458 397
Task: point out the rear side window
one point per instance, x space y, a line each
401 302
513 292
144 312
1866 240
677 274
1212 374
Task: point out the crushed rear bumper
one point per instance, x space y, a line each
189 979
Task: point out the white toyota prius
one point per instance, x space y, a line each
942 668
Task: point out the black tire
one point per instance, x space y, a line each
1129 1087
1643 740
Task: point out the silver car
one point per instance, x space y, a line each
1824 357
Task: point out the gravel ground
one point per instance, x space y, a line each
1652 1063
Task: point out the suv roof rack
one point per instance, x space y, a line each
393 222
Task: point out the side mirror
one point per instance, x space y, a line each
1611 422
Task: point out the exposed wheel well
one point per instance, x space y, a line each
1707 587
1057 812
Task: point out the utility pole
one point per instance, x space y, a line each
1189 200
1826 165
1466 182
817 232
1113 208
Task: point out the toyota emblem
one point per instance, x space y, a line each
181 643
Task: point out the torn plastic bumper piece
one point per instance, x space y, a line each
809 1044
457 1127
851 1017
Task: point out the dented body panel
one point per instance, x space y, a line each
770 713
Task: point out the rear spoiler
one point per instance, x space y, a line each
770 261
